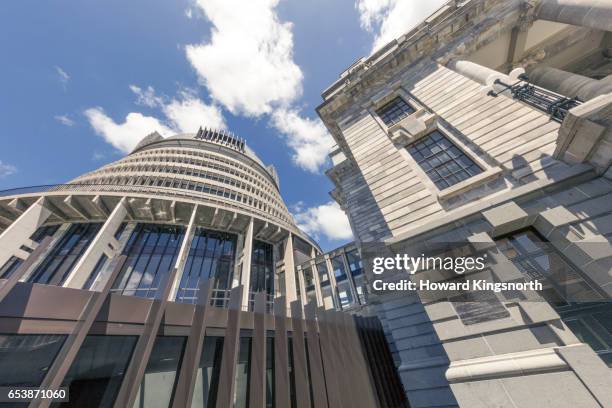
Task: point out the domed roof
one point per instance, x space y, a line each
218 137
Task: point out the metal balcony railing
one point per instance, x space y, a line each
547 101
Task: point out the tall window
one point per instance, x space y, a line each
311 294
444 163
394 111
211 256
270 372
580 306
159 379
26 358
151 254
57 265
262 268
97 371
207 381
243 371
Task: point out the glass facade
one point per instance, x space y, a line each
211 255
26 358
262 268
442 161
270 372
394 111
159 380
343 286
243 371
292 391
580 306
14 262
151 253
207 381
58 264
311 294
95 376
323 273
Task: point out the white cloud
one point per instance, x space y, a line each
7 169
146 97
64 120
188 113
124 136
183 115
389 19
62 75
308 138
248 64
326 219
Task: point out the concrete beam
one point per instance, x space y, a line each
99 246
247 253
21 229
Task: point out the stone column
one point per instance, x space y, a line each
585 13
247 254
290 289
19 232
568 84
476 72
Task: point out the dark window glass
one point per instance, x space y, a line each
151 254
354 261
344 294
323 273
339 269
91 280
394 111
262 268
308 372
10 266
207 381
443 162
157 386
97 371
292 393
270 372
578 304
243 371
211 256
362 289
329 301
26 358
57 265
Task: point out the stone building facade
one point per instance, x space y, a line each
489 123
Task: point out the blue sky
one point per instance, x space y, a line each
83 80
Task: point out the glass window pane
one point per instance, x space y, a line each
443 161
270 372
394 111
207 381
243 368
159 379
97 371
25 358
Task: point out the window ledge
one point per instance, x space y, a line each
469 184
412 127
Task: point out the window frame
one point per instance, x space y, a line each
488 172
376 104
